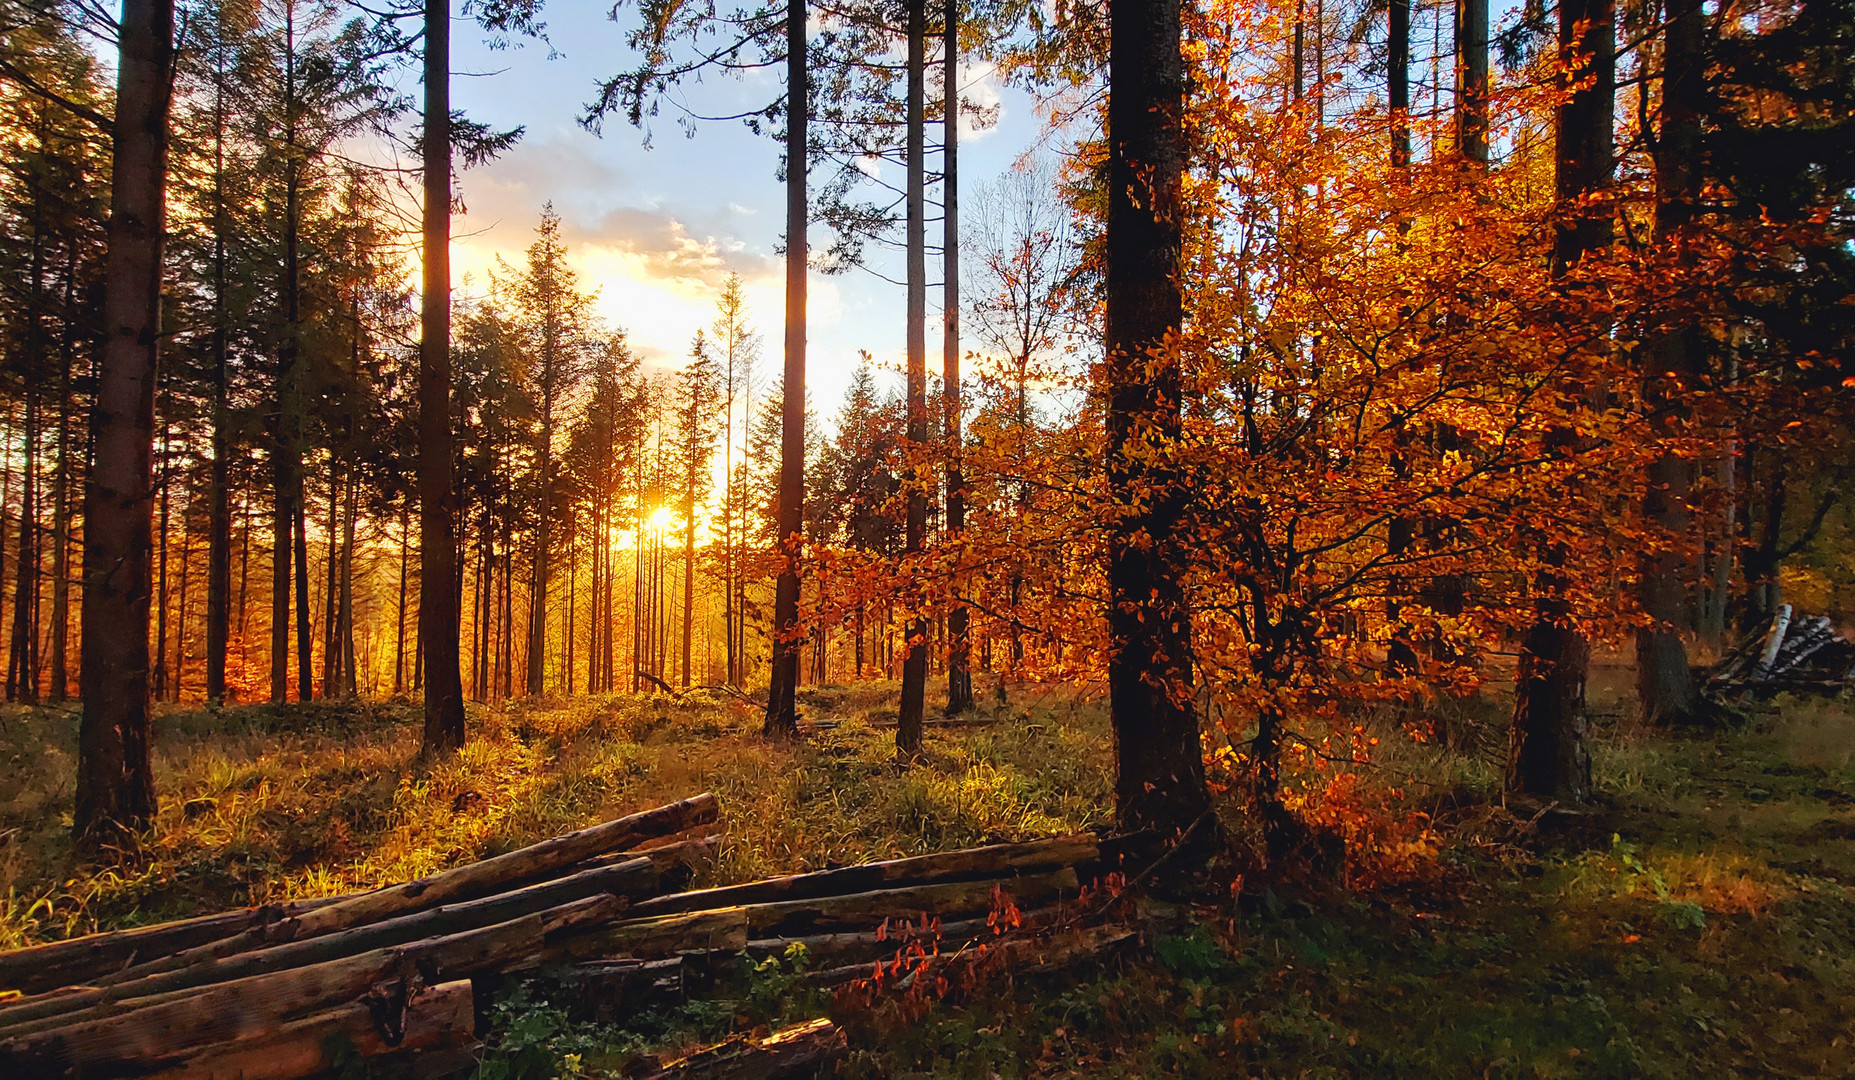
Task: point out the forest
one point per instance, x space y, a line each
1362 586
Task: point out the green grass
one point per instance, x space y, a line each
1698 922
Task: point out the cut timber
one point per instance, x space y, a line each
152 1029
730 928
439 1018
846 947
637 877
868 908
963 967
998 860
666 935
465 882
613 991
39 968
801 1050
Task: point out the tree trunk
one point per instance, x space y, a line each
1547 756
914 661
305 645
1664 685
331 572
1159 780
1472 81
959 645
61 498
344 623
219 510
438 601
115 783
1398 81
22 657
781 706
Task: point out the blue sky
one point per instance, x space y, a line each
655 231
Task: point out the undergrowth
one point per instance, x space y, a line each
1696 921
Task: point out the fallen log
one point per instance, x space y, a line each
994 861
731 928
608 991
149 1030
845 946
38 968
801 1050
636 877
469 881
438 1018
666 935
867 908
962 967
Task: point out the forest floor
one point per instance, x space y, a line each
1700 921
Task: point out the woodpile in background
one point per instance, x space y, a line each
402 972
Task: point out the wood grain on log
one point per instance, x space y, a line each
437 1018
994 861
858 910
665 935
150 1029
39 968
472 880
636 877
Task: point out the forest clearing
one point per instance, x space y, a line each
1699 923
1364 586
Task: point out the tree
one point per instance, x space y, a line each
553 319
1159 776
739 348
697 393
1547 756
438 614
115 780
914 665
959 650
781 708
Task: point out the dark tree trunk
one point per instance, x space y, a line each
305 645
1665 686
60 629
959 645
1547 756
1159 779
22 682
115 783
1472 80
1398 81
219 510
914 661
781 706
438 600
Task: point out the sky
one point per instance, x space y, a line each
656 231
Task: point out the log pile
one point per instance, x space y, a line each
293 990
1794 652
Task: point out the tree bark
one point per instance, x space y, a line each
436 1018
1472 80
1159 780
959 645
115 781
1664 684
993 861
1547 755
914 660
1398 81
782 706
438 600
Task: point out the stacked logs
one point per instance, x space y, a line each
291 990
